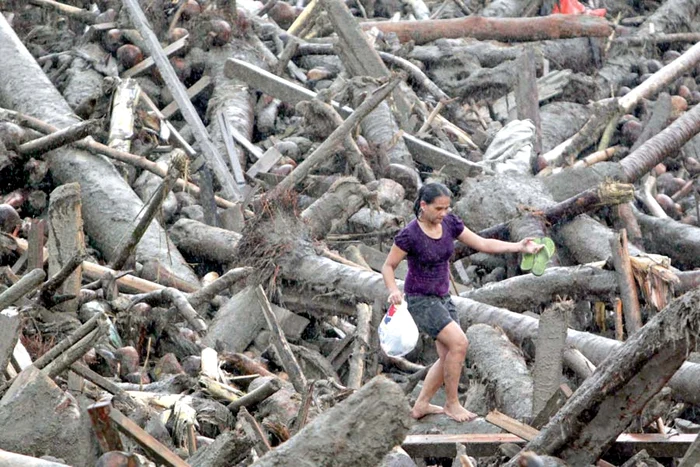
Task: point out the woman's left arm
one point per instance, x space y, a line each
491 245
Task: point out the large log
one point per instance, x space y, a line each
501 366
501 29
678 241
527 292
24 87
358 431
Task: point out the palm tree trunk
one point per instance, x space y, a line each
658 148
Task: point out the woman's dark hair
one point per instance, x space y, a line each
428 193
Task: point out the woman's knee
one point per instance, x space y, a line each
454 339
460 345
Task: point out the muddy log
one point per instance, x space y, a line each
203 242
343 199
25 88
367 285
500 29
527 292
607 402
678 241
361 430
231 97
501 366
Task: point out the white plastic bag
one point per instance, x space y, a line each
398 334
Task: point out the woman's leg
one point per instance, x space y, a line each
456 343
433 381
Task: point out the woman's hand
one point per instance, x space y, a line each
395 297
527 245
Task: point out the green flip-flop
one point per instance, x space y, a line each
537 263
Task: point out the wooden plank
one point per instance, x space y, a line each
172 108
548 86
146 441
512 425
272 85
438 158
376 258
526 94
265 162
227 132
147 63
292 93
566 389
35 252
484 445
358 55
254 151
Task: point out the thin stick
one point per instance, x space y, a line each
85 16
256 429
303 18
176 168
625 279
59 138
431 117
303 412
145 363
289 361
27 284
50 287
208 292
257 395
76 351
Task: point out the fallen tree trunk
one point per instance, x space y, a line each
25 88
678 241
608 401
501 29
358 431
230 97
527 292
343 199
501 366
203 242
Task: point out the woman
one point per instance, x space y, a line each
428 243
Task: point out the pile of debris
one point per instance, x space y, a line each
197 195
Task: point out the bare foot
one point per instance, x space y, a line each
420 411
459 413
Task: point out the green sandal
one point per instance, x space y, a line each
537 263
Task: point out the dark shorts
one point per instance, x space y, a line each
431 313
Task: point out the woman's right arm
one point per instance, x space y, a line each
396 255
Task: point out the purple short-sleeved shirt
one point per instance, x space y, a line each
428 258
